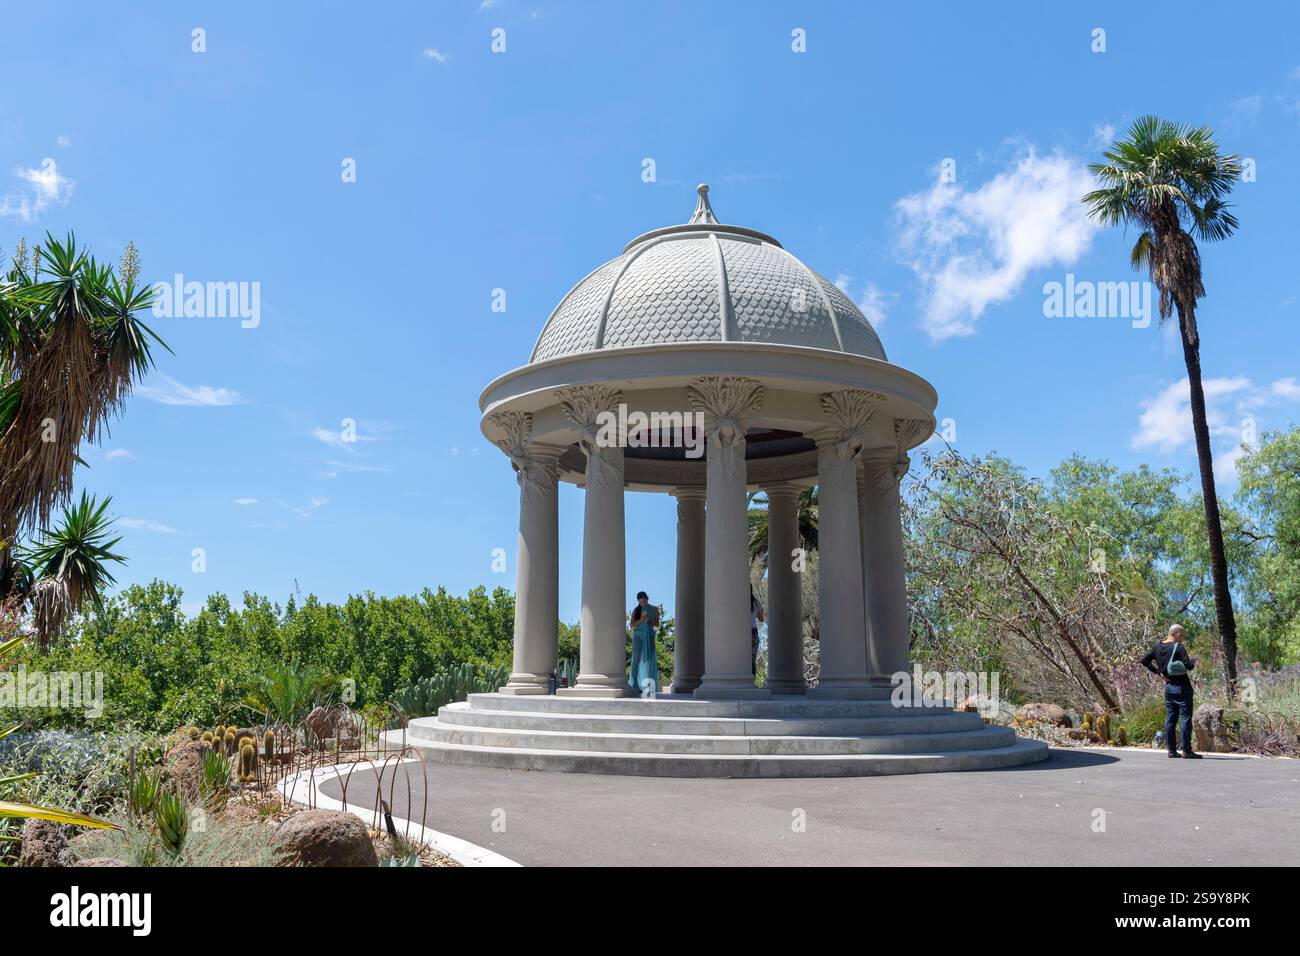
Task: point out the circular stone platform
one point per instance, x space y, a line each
679 735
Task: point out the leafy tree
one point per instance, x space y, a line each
1270 495
1170 182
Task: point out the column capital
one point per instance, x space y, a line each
585 406
727 401
536 464
910 432
780 489
882 475
689 492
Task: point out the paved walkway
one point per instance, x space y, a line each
1217 811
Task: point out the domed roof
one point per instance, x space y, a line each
705 282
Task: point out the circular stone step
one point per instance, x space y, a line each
680 736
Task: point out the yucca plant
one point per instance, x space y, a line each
72 348
69 565
143 792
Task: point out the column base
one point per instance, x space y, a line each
787 686
525 684
848 689
599 685
685 685
729 687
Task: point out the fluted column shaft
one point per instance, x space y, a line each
602 670
886 570
784 600
537 582
688 634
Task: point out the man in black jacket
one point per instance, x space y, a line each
1169 659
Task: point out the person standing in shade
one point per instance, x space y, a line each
1169 660
643 676
755 615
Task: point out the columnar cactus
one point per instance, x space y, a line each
247 757
268 744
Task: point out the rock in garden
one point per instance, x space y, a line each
320 722
45 844
325 838
1044 713
1211 729
102 861
184 765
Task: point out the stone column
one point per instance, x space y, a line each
688 637
886 584
537 561
888 620
602 671
784 600
840 579
726 403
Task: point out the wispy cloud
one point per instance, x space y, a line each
115 453
872 300
172 392
304 511
37 190
145 524
433 53
245 502
973 248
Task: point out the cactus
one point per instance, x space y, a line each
173 822
268 745
229 741
247 756
1123 736
1103 728
206 739
220 733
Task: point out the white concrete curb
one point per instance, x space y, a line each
462 851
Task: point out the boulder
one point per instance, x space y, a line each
1211 729
1044 713
324 838
45 844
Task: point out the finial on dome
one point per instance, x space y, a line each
703 211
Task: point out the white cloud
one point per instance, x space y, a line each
64 141
432 53
1103 134
1165 423
114 453
38 189
486 5
874 302
245 502
172 392
145 524
975 247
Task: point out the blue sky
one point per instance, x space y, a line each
522 170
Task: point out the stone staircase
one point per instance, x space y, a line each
682 736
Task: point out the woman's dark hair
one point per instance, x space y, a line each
642 594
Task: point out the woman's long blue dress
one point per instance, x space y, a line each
643 676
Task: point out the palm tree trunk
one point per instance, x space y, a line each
1218 560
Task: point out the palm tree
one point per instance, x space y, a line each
72 347
68 566
1170 181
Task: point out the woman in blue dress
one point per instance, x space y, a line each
643 676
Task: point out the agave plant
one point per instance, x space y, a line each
214 778
173 822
